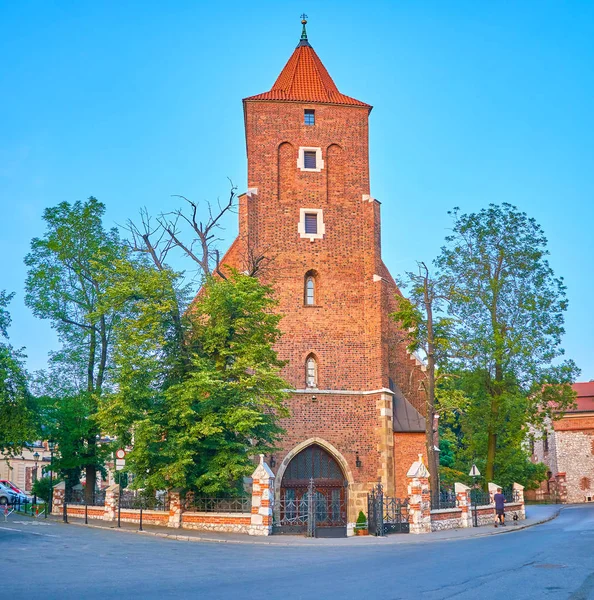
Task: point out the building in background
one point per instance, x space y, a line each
567 447
24 469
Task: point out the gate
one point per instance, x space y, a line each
312 510
386 514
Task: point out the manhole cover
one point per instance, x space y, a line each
549 566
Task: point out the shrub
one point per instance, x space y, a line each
361 521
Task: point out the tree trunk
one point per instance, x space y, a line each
432 456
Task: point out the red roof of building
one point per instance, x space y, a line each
305 79
585 396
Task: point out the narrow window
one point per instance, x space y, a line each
311 223
532 445
311 372
309 159
310 117
310 287
545 441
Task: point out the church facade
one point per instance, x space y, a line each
357 403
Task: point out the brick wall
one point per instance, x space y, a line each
407 447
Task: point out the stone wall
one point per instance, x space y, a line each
225 522
575 457
446 518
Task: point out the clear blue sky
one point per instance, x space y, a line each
475 102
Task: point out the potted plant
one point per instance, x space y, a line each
361 525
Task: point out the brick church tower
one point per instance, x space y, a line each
355 409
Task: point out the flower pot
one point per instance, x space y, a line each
361 532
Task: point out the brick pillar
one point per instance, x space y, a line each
112 495
58 498
419 497
562 487
262 499
464 503
175 508
519 493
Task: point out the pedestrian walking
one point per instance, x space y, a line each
499 499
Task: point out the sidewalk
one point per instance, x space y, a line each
535 515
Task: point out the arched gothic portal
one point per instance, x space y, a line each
313 484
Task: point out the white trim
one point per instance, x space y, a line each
341 392
301 159
253 191
367 198
321 226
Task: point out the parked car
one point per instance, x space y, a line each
7 495
22 496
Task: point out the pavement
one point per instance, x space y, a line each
535 515
56 561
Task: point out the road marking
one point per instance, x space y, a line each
29 532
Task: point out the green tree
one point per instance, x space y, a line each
65 284
17 411
507 308
198 422
427 329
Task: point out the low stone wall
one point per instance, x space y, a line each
486 514
149 517
446 518
77 510
225 522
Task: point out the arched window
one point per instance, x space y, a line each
310 290
311 372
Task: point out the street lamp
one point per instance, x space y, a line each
51 444
35 458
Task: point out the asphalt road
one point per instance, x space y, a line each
55 561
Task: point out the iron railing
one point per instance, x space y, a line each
239 504
79 497
137 499
443 499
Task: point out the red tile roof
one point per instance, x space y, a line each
585 396
305 79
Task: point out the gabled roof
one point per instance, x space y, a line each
585 396
305 79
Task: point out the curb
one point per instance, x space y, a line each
421 539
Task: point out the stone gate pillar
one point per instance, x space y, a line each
175 508
262 499
419 497
112 497
58 498
464 504
519 494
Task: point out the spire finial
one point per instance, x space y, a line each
303 41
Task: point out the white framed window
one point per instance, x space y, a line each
310 159
311 223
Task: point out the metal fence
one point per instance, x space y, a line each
139 499
77 496
444 499
240 504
